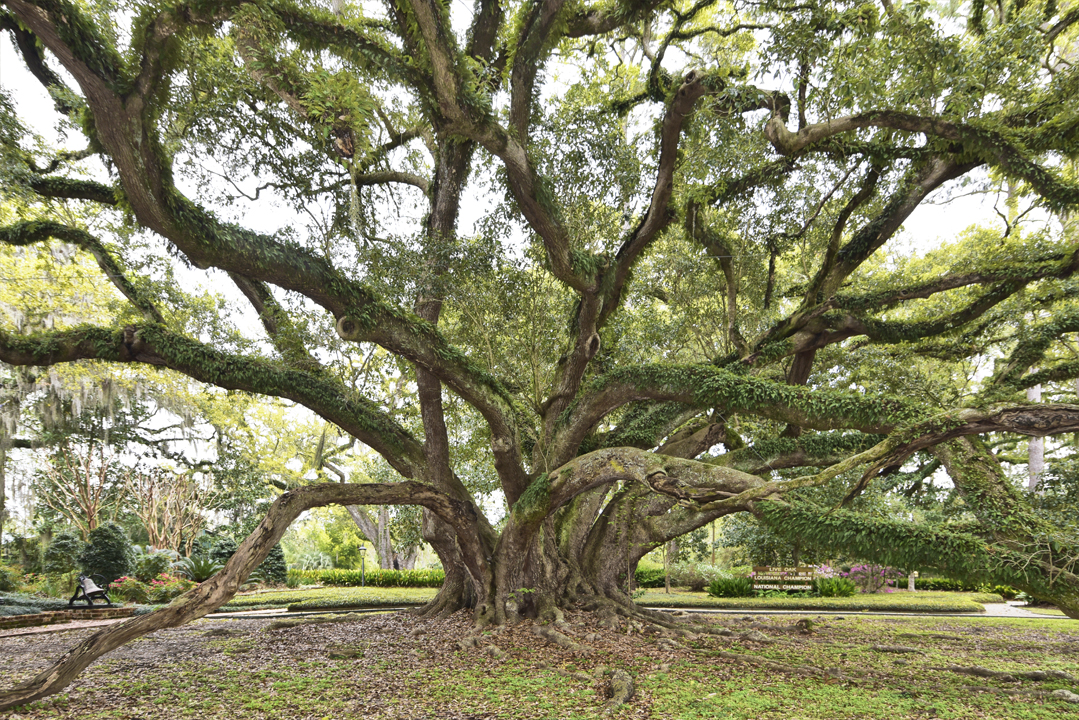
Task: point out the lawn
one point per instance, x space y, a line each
396 666
330 598
1045 611
928 602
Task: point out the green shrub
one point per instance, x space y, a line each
165 587
222 549
197 567
943 584
872 578
272 570
10 578
62 555
107 553
150 564
649 578
129 589
731 587
21 604
1006 592
834 587
695 576
53 585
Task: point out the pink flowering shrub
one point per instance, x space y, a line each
825 571
165 587
129 589
873 578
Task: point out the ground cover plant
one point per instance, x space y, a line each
568 318
12 603
395 666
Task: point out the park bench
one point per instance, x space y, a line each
86 589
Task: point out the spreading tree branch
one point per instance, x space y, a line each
27 233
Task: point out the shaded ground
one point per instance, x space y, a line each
393 666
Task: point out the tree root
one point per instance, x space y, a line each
313 620
899 649
1012 676
803 670
551 635
610 610
622 689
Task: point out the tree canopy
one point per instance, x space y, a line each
628 266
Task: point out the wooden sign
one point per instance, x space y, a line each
783 578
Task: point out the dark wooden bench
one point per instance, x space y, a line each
87 589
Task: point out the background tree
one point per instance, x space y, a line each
684 296
172 507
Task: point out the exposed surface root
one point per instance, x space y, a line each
1012 676
621 689
898 649
551 635
802 670
313 620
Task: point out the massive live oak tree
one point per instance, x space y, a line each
643 250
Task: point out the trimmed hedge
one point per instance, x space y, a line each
884 602
950 585
329 597
374 578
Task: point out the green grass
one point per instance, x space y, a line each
928 602
332 597
1043 610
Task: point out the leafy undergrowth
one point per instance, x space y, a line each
396 666
927 602
331 597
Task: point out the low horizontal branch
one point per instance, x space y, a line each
707 386
156 345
